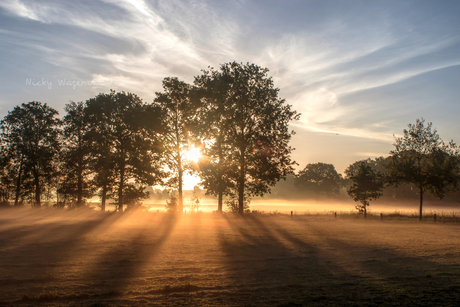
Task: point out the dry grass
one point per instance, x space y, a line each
84 258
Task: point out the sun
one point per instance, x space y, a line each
193 154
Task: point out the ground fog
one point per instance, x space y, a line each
57 258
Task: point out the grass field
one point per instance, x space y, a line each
66 258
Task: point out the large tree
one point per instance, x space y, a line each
368 184
178 116
319 178
212 129
30 136
6 178
421 157
75 155
126 145
258 130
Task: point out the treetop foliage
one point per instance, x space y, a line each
320 178
367 185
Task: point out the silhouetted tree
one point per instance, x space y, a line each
368 184
75 155
320 178
258 132
12 158
172 204
6 177
97 113
126 144
30 134
178 113
232 205
422 158
213 129
378 164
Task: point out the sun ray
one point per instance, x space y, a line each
193 154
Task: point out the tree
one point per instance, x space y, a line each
212 129
76 155
320 178
172 204
378 164
125 136
368 184
232 205
178 116
258 134
6 178
30 135
420 157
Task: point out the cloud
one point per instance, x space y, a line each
358 68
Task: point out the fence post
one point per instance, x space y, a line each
434 217
291 214
381 216
335 214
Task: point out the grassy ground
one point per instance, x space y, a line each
54 258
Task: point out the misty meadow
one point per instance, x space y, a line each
237 153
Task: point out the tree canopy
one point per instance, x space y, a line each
126 137
319 178
368 184
213 129
30 137
76 156
251 124
178 115
422 158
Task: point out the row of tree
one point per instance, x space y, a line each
114 144
420 160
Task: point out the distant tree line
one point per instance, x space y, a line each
421 162
114 145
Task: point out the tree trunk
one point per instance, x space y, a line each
80 183
80 168
120 188
18 184
421 203
219 201
103 197
37 189
179 160
220 187
241 184
181 203
365 210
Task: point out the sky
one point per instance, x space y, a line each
357 71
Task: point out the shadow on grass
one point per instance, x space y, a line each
125 264
45 253
273 264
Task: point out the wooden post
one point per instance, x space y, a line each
381 216
434 217
291 214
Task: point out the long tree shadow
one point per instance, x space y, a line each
384 276
264 269
127 266
43 260
30 232
392 276
326 271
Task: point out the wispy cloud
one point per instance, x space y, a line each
348 67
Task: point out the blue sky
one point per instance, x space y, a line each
358 71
